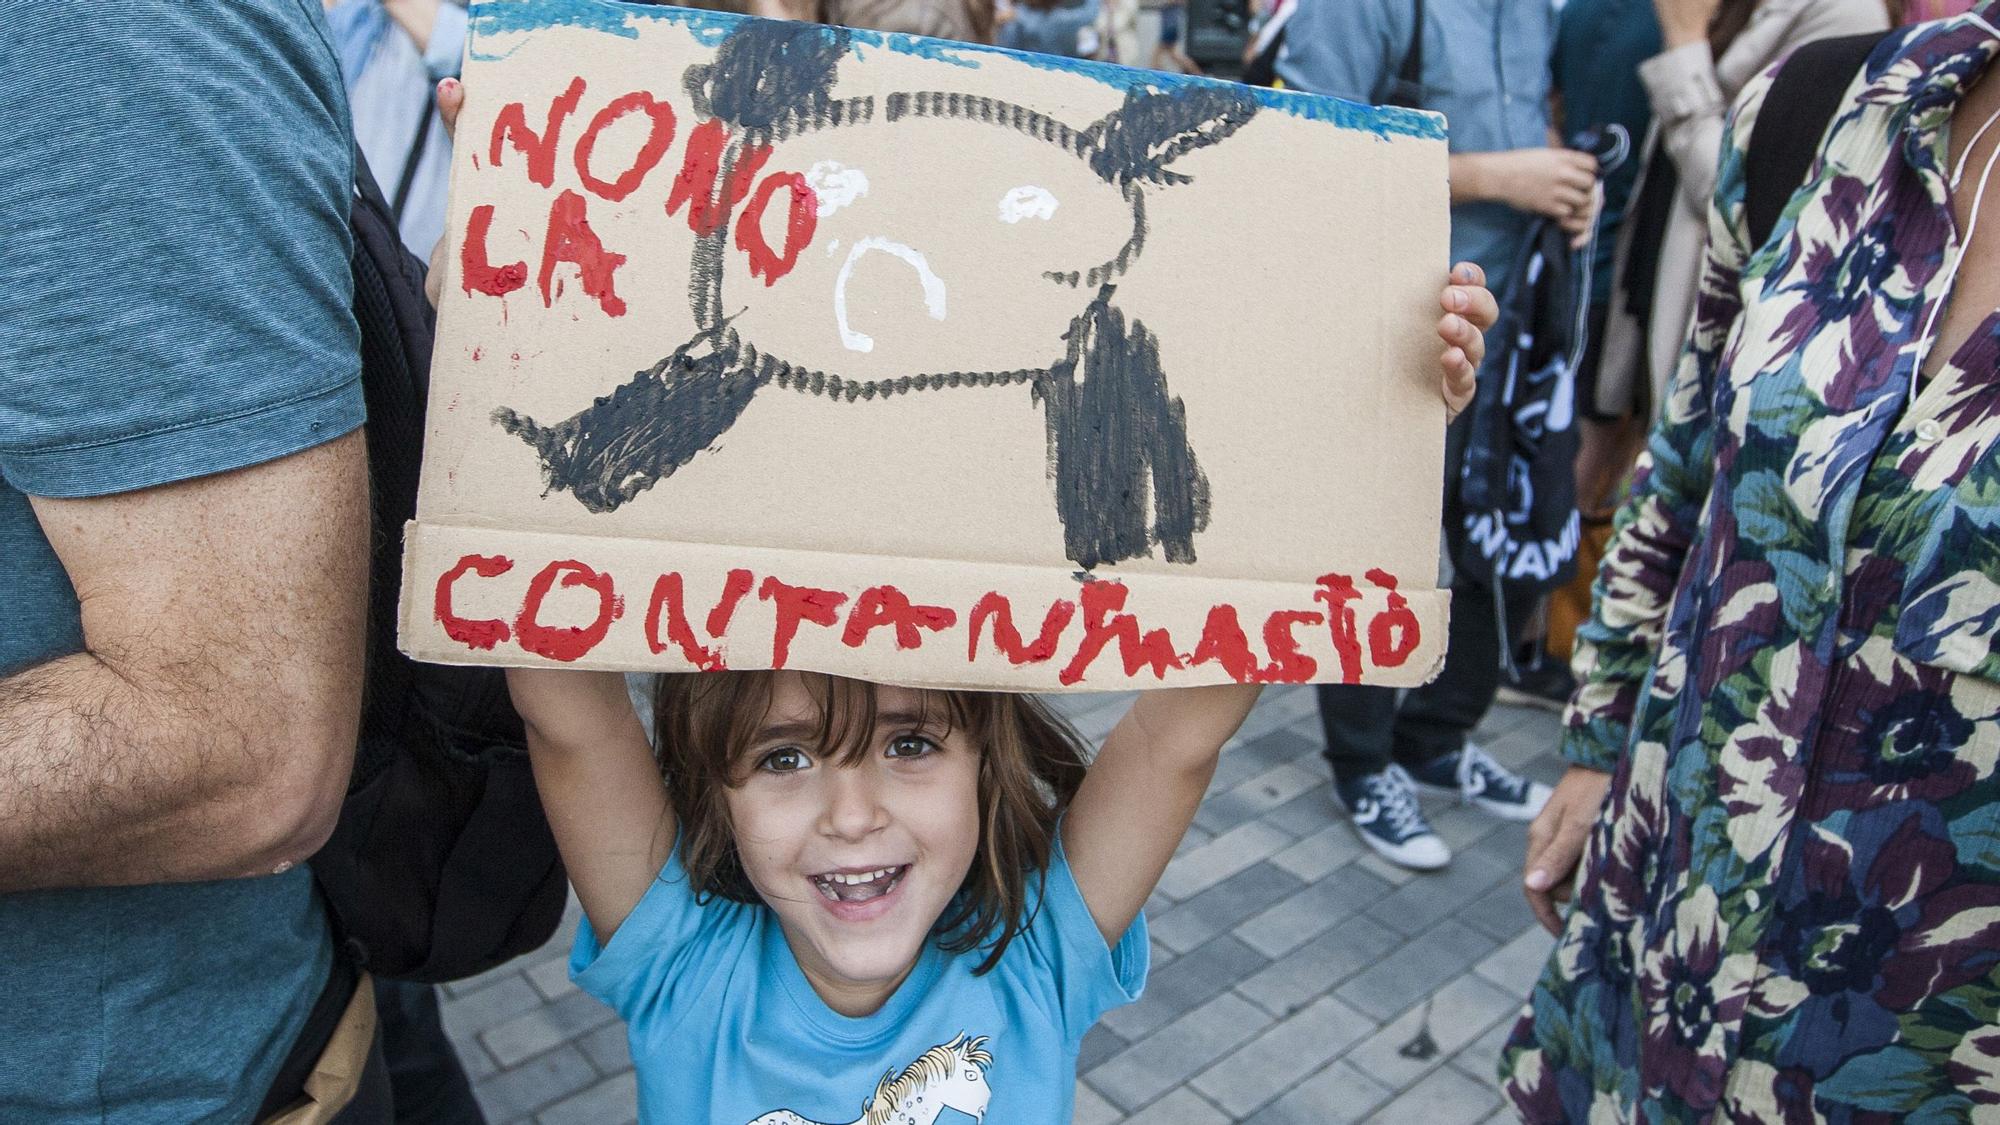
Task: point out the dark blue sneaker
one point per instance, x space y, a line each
1475 778
1385 812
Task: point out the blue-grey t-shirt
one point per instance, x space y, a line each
174 301
725 1027
1486 68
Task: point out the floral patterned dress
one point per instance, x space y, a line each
1790 908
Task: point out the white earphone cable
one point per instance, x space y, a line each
1925 340
1929 341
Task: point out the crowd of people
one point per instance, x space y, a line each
1742 239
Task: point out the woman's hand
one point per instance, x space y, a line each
1469 310
1556 839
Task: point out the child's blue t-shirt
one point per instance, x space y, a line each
726 1030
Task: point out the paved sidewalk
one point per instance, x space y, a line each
1293 970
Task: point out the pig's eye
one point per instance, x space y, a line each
1027 202
835 185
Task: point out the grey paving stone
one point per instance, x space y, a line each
1442 1097
1509 845
503 998
1523 734
608 1048
1099 1044
1400 978
1336 1094
1420 903
454 990
1457 1014
1095 721
1499 913
1227 854
1203 973
1194 837
1480 1059
1154 1065
1515 966
1547 767
476 1060
539 1029
1223 905
1182 1107
1308 813
1294 980
1506 726
1283 745
1389 872
1236 766
515 1093
1298 918
1322 853
1279 709
1092 1109
1462 826
1283 1055
550 976
1260 794
613 1101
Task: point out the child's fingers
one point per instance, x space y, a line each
1475 303
450 99
1456 331
1460 380
1468 296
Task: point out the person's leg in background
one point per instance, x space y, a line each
1430 735
428 1080
1378 795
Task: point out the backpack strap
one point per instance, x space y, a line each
419 145
1810 87
1410 76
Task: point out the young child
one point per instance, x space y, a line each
831 901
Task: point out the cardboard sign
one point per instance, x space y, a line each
774 345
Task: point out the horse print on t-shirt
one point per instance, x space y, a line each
948 1076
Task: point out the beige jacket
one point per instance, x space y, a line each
1691 95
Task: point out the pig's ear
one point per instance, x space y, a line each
767 69
1154 128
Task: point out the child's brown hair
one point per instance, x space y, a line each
1030 764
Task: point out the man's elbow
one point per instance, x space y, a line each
287 811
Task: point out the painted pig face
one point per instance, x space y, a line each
925 240
934 241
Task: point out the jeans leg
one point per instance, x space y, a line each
1436 717
1357 721
429 1082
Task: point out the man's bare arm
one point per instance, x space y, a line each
208 729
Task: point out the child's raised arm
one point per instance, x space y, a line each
1141 793
1135 804
603 793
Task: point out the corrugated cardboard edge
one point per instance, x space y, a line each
1178 604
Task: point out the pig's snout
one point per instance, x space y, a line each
933 287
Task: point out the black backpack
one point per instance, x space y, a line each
1810 87
442 864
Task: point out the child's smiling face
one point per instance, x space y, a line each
859 861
